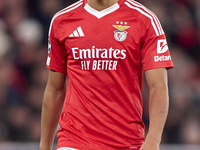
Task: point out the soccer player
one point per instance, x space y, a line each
105 46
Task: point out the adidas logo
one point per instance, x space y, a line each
77 33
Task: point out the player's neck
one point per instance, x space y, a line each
101 4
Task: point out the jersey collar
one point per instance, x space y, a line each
102 13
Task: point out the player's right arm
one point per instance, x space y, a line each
54 96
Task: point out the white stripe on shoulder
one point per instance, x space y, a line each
151 13
72 5
65 10
132 6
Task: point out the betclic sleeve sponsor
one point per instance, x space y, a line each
155 52
56 53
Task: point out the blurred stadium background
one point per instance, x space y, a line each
24 28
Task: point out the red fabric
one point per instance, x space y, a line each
103 105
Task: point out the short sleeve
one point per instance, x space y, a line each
154 50
56 59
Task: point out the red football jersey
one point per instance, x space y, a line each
105 54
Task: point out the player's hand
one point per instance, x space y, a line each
45 147
42 148
149 145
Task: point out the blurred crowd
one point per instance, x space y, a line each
24 26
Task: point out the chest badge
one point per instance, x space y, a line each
120 34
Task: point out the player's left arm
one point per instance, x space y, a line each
158 107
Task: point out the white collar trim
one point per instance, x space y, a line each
102 13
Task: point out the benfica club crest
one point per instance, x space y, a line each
120 34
